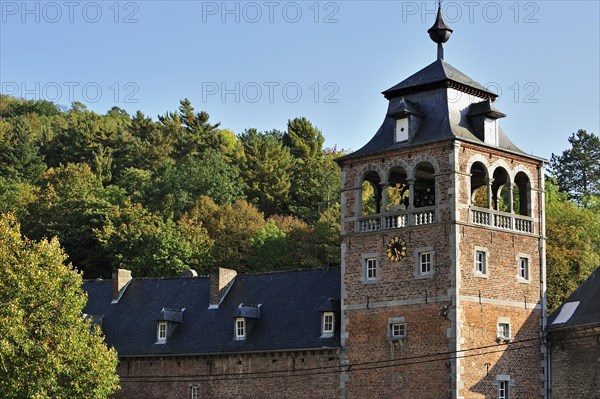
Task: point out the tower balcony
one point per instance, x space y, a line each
397 219
501 220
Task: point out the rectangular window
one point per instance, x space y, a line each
328 323
503 390
524 268
194 393
371 269
503 330
162 331
398 330
240 328
401 129
481 262
425 262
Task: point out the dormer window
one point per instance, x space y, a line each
483 117
328 310
161 334
168 320
328 324
401 130
240 328
244 318
490 131
407 115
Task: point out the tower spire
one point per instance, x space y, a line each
440 32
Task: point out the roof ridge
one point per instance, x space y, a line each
271 272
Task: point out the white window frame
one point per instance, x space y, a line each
239 328
527 259
502 325
401 132
328 324
419 253
503 330
161 332
194 392
504 386
485 263
397 324
503 389
366 260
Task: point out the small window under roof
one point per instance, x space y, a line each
566 312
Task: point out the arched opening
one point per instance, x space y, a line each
479 187
501 190
424 186
397 191
371 194
522 195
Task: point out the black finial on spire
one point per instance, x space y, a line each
440 32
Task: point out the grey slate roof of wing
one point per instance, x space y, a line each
586 313
290 315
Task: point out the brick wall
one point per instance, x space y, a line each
386 368
576 364
288 375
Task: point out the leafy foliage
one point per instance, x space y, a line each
47 349
135 239
573 244
156 196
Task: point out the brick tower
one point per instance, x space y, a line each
443 278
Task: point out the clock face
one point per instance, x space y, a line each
396 249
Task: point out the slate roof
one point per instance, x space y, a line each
437 74
587 312
441 118
289 318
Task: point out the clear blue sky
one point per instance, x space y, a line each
245 62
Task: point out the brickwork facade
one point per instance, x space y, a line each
453 314
575 361
246 376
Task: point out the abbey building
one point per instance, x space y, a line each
440 293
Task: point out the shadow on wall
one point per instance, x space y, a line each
508 365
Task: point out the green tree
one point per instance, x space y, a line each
70 206
47 348
577 170
19 155
303 139
135 239
316 187
207 173
316 177
269 249
267 171
573 244
232 226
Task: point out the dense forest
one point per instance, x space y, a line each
157 197
160 196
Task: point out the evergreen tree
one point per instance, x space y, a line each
267 171
303 139
577 170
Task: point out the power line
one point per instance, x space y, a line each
350 367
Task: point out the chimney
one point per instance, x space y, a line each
221 280
120 278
